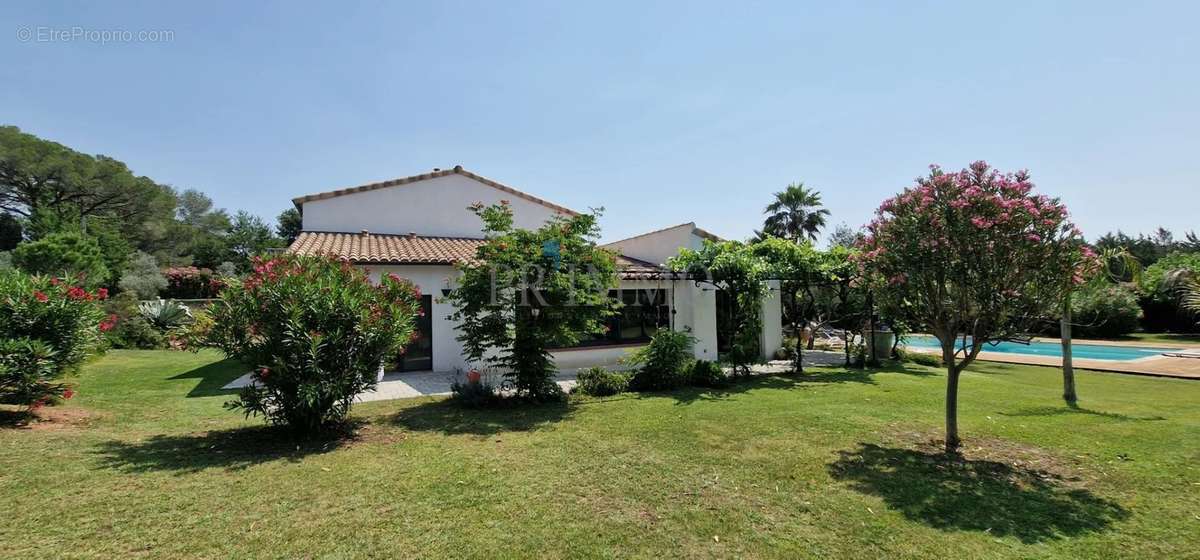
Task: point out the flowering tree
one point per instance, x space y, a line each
973 257
315 331
529 291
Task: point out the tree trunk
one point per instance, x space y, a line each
952 372
952 441
1068 367
799 351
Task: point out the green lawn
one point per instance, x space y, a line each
1163 337
146 463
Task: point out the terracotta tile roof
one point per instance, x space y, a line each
375 248
632 269
386 249
457 169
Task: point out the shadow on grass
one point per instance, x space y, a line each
1068 410
214 376
447 417
233 449
948 492
864 375
12 418
810 378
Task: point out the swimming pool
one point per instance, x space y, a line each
1054 349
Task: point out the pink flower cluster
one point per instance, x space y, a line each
976 209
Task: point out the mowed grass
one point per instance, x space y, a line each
144 462
1162 337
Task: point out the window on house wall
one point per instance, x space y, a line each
642 312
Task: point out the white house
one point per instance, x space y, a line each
417 227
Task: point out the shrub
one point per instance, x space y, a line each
1160 303
27 373
316 333
662 364
919 358
189 282
1105 311
57 312
226 270
143 278
11 232
477 389
131 330
708 374
164 314
194 335
1153 282
65 255
600 382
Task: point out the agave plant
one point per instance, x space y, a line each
165 314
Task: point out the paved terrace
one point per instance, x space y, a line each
413 384
1157 366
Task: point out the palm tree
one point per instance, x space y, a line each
796 213
1186 283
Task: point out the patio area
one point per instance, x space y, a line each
413 384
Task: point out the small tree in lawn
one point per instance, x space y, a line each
529 291
315 331
973 257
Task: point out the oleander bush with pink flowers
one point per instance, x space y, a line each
973 256
48 326
315 332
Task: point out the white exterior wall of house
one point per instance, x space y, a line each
432 279
433 207
437 206
657 247
447 350
771 338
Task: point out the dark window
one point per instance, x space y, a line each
642 312
418 355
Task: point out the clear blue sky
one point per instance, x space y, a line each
662 113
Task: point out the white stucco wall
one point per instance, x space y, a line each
771 337
659 246
433 207
697 313
438 207
447 350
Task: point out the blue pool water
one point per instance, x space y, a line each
1036 348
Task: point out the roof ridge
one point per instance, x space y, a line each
436 173
379 234
695 229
